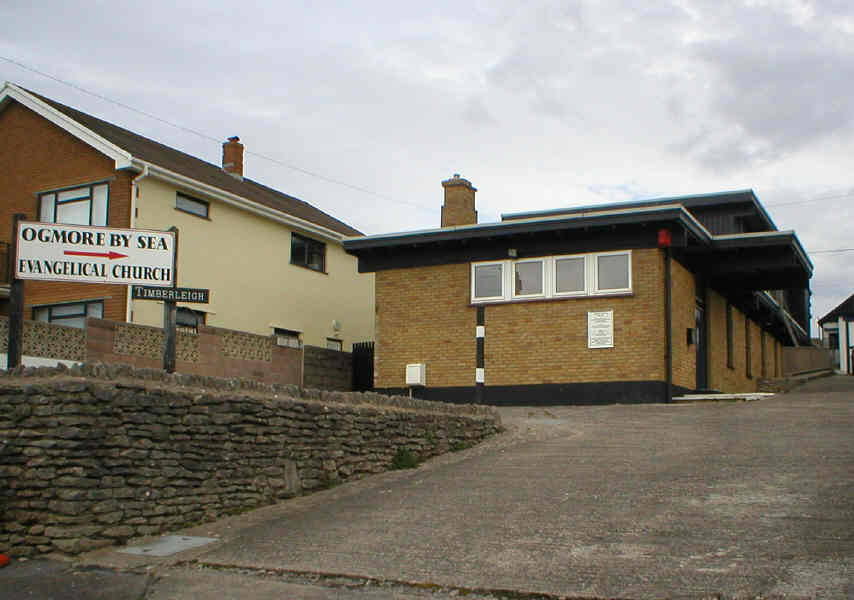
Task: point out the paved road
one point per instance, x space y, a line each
739 499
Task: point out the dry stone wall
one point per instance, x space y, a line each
96 454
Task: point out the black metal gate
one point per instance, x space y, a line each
363 366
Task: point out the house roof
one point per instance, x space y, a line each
761 220
144 150
845 309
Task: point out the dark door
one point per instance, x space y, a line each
700 324
363 366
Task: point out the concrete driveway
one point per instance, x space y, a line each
741 499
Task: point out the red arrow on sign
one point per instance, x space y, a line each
111 255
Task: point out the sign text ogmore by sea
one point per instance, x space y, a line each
79 253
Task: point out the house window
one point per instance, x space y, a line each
748 367
308 253
528 278
287 338
72 314
86 205
333 344
552 277
194 206
188 320
612 273
729 351
570 276
488 282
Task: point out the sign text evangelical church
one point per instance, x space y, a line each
82 254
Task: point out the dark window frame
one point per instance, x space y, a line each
205 203
730 362
305 259
90 187
60 318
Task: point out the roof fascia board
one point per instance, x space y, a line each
696 201
122 158
700 200
621 216
239 202
760 238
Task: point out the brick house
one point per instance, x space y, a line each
629 302
274 264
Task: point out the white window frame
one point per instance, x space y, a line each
572 294
504 283
594 290
543 270
549 265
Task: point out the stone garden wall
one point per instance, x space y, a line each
97 454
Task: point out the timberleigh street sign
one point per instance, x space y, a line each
84 254
199 296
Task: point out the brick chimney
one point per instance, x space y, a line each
459 202
232 157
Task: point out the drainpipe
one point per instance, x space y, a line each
133 192
668 327
665 241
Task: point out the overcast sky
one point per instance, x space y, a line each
539 104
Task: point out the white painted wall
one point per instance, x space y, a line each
244 259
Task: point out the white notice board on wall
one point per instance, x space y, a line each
600 329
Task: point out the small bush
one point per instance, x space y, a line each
404 459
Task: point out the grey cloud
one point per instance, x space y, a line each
780 85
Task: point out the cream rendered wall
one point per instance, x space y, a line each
244 259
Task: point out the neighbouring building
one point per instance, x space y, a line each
274 264
837 335
630 302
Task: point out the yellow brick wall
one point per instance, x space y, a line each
424 315
684 305
735 379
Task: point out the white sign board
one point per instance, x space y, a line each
600 329
83 254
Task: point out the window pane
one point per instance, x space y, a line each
191 205
75 194
298 250
95 309
187 317
613 272
79 322
528 278
46 212
99 205
569 275
487 281
62 310
73 213
41 314
316 256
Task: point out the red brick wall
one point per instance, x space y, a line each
202 353
37 156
